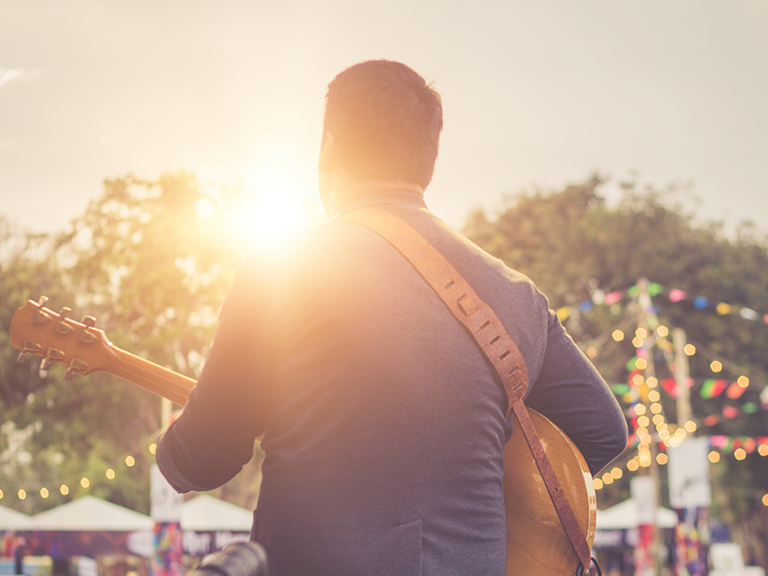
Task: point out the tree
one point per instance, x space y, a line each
577 248
152 261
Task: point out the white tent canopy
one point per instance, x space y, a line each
625 514
12 520
91 513
203 513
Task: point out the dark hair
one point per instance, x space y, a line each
386 122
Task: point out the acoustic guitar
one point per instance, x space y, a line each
536 542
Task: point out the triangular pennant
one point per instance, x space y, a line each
730 411
735 391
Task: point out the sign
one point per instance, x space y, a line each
688 471
166 502
643 489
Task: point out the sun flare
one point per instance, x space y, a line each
273 203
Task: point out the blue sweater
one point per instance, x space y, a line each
382 423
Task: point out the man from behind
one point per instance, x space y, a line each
383 424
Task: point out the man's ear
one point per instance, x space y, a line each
327 160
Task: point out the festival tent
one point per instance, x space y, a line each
206 513
624 515
91 514
12 520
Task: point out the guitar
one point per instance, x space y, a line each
82 348
536 541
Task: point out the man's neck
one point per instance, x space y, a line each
348 192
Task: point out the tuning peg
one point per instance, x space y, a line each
69 374
89 321
64 327
42 301
44 365
28 346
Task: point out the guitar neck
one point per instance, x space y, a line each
151 376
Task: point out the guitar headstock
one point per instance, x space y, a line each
57 338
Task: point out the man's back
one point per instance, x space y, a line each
383 424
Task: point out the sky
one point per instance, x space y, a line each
536 95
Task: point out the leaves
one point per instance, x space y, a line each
153 269
573 244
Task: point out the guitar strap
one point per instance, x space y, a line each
489 334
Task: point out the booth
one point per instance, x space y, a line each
90 536
617 535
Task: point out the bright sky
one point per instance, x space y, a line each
535 94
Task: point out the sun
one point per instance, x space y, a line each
272 203
276 205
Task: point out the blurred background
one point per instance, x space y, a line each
612 152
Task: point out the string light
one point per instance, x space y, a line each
716 366
661 458
740 454
689 349
597 483
84 481
641 333
618 335
662 331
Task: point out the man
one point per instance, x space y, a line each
383 425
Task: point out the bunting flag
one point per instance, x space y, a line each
731 443
712 388
730 412
735 390
600 298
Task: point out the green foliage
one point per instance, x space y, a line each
577 247
153 268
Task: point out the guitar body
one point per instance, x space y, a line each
536 542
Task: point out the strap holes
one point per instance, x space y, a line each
496 339
451 283
507 353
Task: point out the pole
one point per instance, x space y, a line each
647 559
682 373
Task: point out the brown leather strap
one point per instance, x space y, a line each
490 335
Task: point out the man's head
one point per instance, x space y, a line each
384 122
